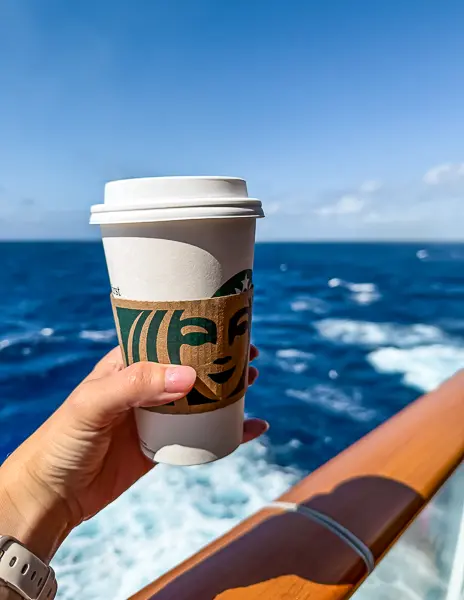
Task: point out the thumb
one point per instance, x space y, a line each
98 403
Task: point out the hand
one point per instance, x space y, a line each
87 453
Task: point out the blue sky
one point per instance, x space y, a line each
345 116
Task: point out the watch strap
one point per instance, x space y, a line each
24 572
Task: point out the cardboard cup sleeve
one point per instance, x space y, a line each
212 335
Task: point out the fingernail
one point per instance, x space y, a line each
179 379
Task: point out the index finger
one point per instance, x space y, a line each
110 363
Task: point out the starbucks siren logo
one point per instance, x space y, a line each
211 335
241 282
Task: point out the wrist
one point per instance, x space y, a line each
7 593
32 514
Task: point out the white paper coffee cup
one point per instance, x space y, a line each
173 239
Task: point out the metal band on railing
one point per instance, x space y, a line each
342 532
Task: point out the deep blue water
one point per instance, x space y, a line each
55 322
349 334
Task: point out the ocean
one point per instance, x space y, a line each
349 334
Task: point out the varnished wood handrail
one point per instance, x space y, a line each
375 489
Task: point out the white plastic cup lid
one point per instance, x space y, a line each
152 199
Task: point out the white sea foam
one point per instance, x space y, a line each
28 336
47 331
424 367
422 254
293 367
365 297
366 333
334 401
334 282
424 354
361 293
294 361
105 335
162 520
311 304
293 353
361 287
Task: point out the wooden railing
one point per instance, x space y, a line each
368 495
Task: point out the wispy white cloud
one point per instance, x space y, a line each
391 217
445 173
272 208
346 205
429 207
370 186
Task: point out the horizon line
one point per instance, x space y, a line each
278 241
